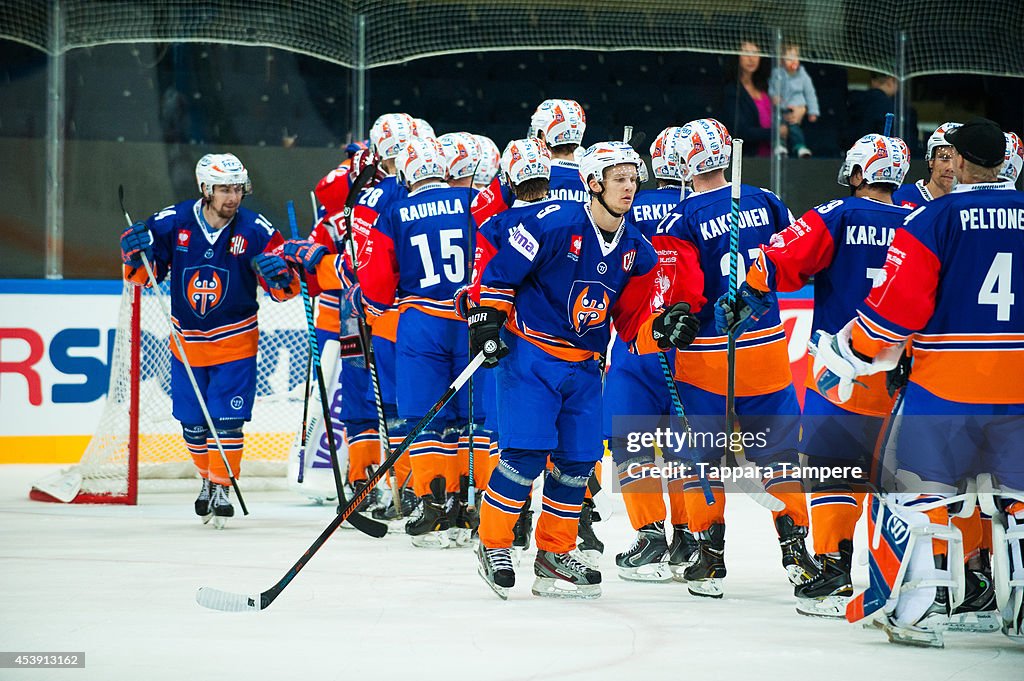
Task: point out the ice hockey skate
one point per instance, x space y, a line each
429 524
647 559
800 567
495 568
221 506
203 501
681 552
704 576
589 546
564 575
827 593
978 613
523 532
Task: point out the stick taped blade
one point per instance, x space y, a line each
225 601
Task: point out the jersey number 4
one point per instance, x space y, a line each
997 288
452 253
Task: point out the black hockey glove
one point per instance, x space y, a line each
675 327
896 379
485 334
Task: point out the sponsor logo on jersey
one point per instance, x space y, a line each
238 245
184 237
575 246
628 259
521 240
205 287
588 305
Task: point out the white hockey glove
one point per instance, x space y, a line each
837 366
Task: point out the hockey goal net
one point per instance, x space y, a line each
138 445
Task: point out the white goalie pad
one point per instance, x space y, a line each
309 469
1007 558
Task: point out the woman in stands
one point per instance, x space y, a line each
747 108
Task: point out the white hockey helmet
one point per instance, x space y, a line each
526 159
1014 157
420 128
490 160
603 155
421 158
881 159
703 145
561 120
938 139
665 155
214 169
390 133
462 153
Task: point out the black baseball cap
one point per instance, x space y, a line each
980 141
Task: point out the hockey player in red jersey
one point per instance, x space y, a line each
842 244
338 337
1014 158
548 294
939 156
693 244
635 385
947 285
215 253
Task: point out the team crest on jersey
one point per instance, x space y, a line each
575 246
238 245
184 237
205 287
628 258
588 305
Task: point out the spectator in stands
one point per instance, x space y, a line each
792 89
748 102
869 107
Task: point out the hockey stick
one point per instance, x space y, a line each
188 368
305 418
360 522
748 486
226 601
365 334
470 264
889 118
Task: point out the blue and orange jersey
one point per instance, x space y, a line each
331 192
565 183
213 284
948 284
842 244
912 195
693 249
650 206
561 283
416 256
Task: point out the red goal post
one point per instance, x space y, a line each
137 445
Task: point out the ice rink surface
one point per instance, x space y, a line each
119 583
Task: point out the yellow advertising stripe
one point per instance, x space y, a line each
63 449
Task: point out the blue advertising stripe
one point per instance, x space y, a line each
80 287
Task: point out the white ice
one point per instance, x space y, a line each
119 583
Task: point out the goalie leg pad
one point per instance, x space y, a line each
903 577
1008 567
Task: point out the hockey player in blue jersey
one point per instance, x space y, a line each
548 295
939 156
560 124
693 244
842 244
947 286
635 385
215 253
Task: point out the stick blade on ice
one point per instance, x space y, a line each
225 601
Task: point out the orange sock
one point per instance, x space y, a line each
677 502
200 458
971 530
834 517
427 456
700 515
233 446
363 452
